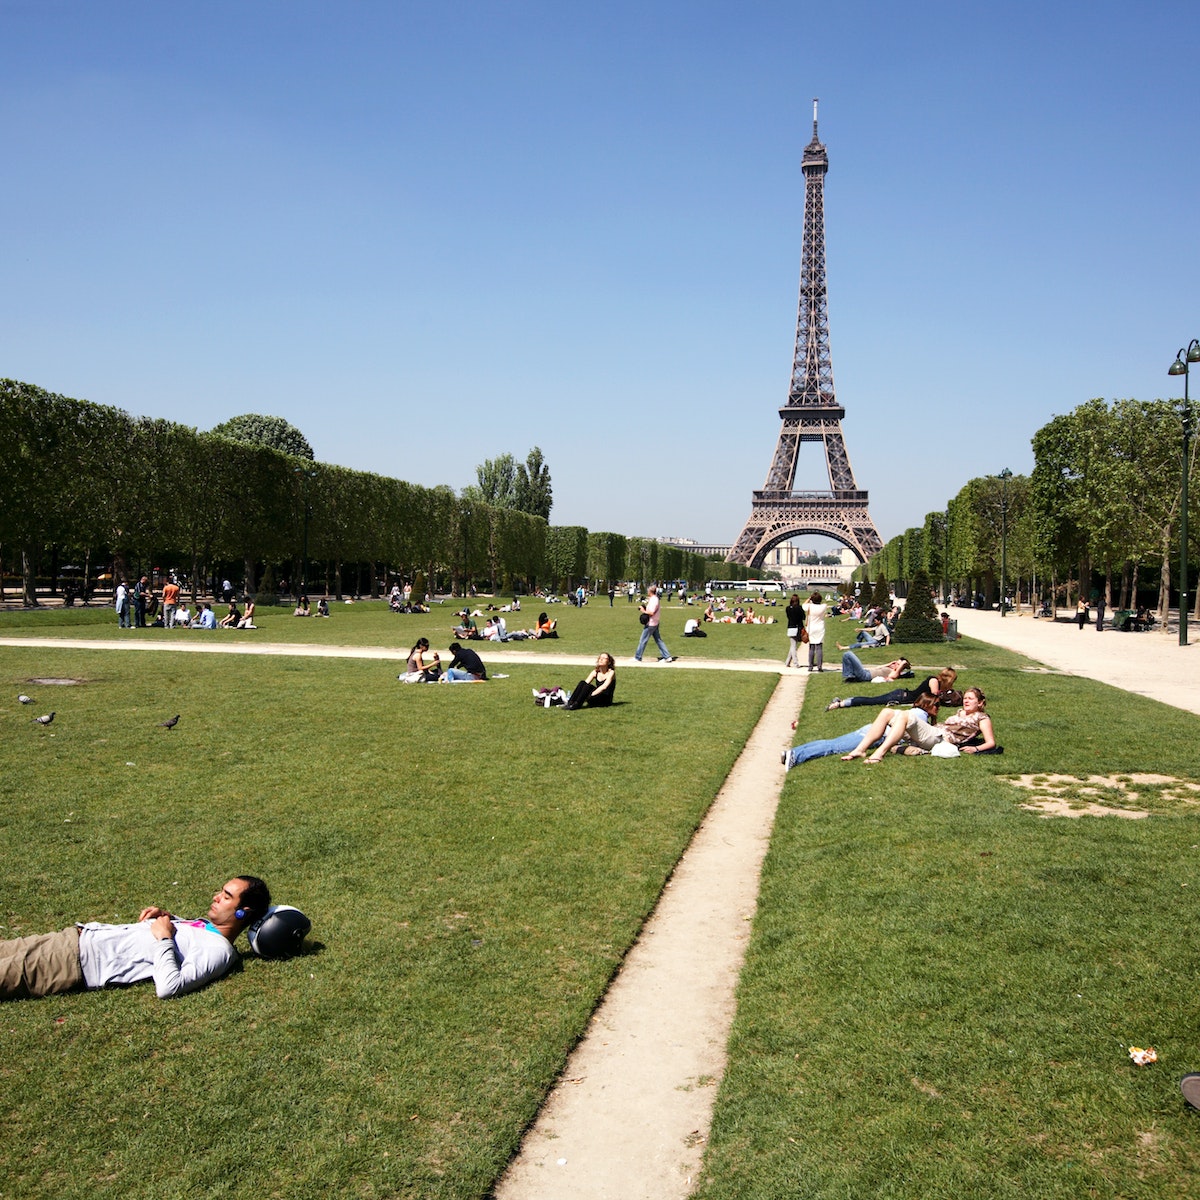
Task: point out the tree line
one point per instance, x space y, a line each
88 482
1099 515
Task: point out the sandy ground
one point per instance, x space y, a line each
1149 664
630 1116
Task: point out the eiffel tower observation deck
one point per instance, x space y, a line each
812 414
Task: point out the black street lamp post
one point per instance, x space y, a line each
1004 477
1181 365
305 477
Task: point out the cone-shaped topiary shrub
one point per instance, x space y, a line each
919 622
881 597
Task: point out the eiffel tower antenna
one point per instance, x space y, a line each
812 414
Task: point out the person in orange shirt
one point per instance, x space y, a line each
170 603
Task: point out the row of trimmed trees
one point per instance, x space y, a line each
88 482
1100 514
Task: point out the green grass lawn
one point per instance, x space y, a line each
589 630
942 987
938 999
475 868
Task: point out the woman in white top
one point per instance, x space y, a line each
814 612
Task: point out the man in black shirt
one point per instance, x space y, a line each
467 666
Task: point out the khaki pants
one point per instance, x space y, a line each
42 965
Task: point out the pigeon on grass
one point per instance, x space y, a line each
171 723
45 719
23 699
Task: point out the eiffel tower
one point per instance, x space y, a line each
812 414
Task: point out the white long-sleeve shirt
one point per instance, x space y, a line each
119 954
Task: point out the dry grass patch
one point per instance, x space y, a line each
1107 795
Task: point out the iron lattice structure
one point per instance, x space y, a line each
812 414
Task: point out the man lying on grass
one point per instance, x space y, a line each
180 956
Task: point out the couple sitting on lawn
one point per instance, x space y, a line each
466 666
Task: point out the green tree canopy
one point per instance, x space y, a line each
496 483
534 494
274 432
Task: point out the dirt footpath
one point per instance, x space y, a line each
630 1116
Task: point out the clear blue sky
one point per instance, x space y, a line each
430 233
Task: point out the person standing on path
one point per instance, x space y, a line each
793 617
1081 612
651 609
1100 613
815 611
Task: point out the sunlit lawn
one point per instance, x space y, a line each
942 986
589 630
938 998
475 868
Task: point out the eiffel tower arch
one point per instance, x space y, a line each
779 512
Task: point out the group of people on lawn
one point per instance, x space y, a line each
910 731
141 607
495 628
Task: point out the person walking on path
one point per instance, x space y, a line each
651 609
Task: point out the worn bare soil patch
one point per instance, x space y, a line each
1133 797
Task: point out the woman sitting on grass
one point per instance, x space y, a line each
933 685
302 609
420 670
598 688
969 730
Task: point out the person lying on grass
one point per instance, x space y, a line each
932 685
180 956
970 730
853 670
916 725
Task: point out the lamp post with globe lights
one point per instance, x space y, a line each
1181 366
1004 477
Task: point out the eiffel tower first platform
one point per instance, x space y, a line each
812 414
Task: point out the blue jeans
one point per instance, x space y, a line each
458 675
648 632
852 670
827 746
